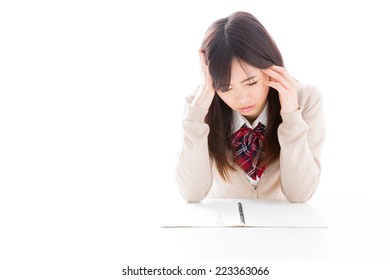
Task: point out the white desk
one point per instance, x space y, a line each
357 230
242 243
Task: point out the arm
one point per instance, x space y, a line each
301 135
193 167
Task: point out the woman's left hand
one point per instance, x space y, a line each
286 85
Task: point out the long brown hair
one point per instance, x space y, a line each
243 37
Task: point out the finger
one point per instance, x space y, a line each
280 88
203 65
277 77
205 68
282 71
202 57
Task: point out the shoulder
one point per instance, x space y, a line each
308 96
308 91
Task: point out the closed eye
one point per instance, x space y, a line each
253 83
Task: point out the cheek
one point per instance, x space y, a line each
262 92
227 99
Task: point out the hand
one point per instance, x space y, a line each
206 92
286 85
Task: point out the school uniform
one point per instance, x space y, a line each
295 176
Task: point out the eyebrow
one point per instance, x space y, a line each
250 78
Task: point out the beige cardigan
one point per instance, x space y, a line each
295 176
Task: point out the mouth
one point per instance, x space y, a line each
247 109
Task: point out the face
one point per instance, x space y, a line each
247 92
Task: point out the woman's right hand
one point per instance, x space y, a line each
206 92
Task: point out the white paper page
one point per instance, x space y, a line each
203 214
281 214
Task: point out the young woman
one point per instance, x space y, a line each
250 130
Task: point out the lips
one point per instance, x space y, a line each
247 109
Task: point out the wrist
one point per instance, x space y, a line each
203 98
285 111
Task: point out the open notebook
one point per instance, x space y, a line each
257 213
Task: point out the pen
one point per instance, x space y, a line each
241 213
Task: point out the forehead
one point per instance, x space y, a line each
242 70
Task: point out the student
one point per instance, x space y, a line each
250 130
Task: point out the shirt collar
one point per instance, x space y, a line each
239 120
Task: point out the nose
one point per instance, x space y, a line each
242 98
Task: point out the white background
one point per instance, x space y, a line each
91 99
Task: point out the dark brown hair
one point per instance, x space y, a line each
243 37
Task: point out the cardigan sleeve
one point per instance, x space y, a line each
193 167
301 136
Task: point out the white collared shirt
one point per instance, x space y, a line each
238 122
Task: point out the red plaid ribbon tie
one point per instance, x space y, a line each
246 148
